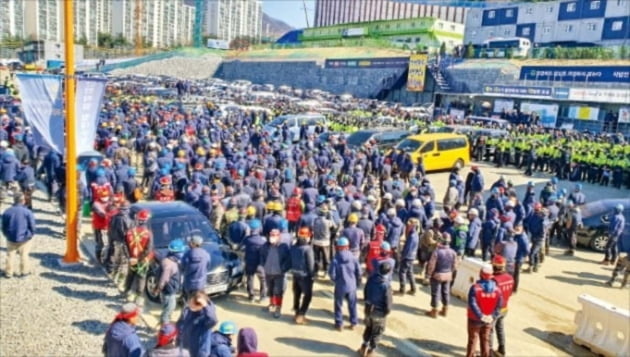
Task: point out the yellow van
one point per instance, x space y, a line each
439 151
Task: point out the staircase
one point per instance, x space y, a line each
439 78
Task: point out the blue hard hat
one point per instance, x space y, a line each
578 187
495 191
321 199
255 224
177 246
530 184
453 182
100 173
554 180
131 171
385 246
343 242
284 224
227 328
164 171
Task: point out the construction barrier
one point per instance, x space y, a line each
602 327
467 274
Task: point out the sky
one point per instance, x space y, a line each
290 11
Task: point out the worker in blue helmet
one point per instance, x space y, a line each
577 196
616 225
170 277
222 340
345 273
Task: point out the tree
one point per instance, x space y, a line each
470 51
104 40
119 41
82 40
443 49
241 43
623 52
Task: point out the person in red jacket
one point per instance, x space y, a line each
484 306
140 247
102 210
295 207
247 344
165 193
505 283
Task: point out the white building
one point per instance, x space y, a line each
575 22
11 18
43 20
90 18
228 19
165 23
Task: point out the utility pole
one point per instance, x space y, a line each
305 12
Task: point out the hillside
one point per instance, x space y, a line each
274 28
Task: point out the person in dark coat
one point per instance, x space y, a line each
345 273
440 269
395 230
616 226
408 256
378 304
18 227
276 260
252 245
195 325
26 180
474 232
247 344
222 340
303 270
121 339
166 345
195 267
119 225
536 226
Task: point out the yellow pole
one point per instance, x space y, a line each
72 253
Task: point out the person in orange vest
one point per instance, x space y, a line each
484 306
375 248
165 193
102 211
505 283
295 207
140 247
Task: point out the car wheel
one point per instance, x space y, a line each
599 242
152 283
459 164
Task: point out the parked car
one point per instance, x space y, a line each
294 122
439 151
594 231
385 137
173 220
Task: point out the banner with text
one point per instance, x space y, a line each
576 74
583 113
417 72
43 108
520 91
89 97
548 113
383 62
624 115
501 105
600 95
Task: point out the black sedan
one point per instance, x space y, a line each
594 233
173 220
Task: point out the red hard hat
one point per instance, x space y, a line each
297 191
498 261
143 215
304 232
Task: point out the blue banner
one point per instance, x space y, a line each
43 108
619 74
89 98
519 91
383 62
561 93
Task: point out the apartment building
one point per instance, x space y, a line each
228 19
11 18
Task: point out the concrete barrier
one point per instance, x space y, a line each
602 327
467 274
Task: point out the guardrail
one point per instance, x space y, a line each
602 327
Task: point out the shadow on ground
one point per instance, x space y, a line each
85 295
93 327
314 347
73 279
559 340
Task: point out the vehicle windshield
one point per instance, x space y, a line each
278 121
409 145
359 138
168 228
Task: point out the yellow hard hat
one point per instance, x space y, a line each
353 218
251 211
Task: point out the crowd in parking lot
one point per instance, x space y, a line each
292 202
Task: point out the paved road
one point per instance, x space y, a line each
540 321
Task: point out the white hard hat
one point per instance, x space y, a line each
388 196
4 144
416 202
459 220
473 211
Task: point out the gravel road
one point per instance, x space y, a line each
56 311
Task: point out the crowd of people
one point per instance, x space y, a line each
311 210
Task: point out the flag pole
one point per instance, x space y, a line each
72 252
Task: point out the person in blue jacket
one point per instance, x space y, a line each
18 227
345 273
195 267
252 245
121 339
222 340
616 225
474 231
408 255
195 325
536 226
489 229
476 183
494 201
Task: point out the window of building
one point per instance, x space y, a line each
452 27
509 13
547 29
526 31
507 32
473 34
529 10
491 14
441 25
491 33
595 5
550 9
617 25
591 26
571 7
568 28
